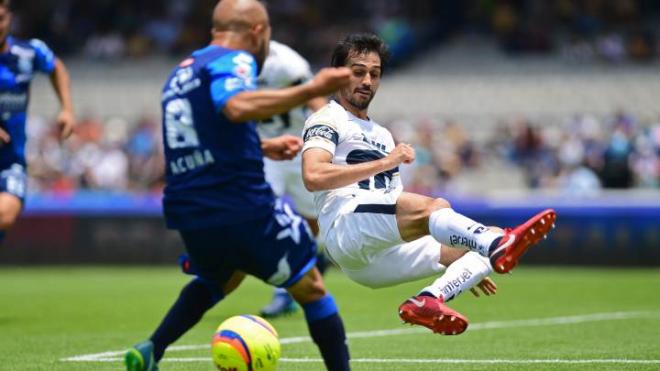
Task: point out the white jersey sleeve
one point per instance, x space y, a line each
323 129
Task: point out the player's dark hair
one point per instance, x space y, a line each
360 43
5 4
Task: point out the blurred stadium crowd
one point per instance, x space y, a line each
111 156
582 30
580 156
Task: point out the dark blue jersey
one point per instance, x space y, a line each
214 167
17 67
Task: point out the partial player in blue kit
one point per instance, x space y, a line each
216 194
19 61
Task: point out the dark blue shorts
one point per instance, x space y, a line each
13 180
278 249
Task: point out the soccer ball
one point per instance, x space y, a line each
245 342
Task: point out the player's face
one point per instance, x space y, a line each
365 79
5 23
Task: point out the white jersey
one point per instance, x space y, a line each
351 141
284 67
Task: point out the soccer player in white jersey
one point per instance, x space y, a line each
284 68
380 235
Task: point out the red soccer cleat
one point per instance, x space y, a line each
516 241
431 312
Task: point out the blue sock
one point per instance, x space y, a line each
327 331
195 299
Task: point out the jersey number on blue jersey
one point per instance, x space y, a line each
179 127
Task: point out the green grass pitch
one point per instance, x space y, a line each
49 314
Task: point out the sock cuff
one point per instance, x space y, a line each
442 213
320 309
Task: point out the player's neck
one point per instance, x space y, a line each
361 114
4 45
228 40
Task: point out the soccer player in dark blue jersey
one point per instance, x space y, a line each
19 61
216 195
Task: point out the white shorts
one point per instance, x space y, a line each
285 177
365 243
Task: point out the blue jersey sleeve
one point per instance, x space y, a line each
231 74
44 59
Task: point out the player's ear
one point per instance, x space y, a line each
257 32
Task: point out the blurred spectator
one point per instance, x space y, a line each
586 159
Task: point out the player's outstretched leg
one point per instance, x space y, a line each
456 230
506 252
195 299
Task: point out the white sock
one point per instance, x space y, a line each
453 229
461 275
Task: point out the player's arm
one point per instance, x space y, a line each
60 81
265 103
284 147
319 173
317 103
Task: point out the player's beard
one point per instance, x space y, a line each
359 102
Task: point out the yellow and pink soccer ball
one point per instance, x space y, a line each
245 342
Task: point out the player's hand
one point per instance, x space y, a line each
402 153
284 147
329 80
487 286
66 121
4 137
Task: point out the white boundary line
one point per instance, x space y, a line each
565 320
427 361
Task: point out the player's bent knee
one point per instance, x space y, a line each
233 283
437 204
433 206
309 293
310 288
